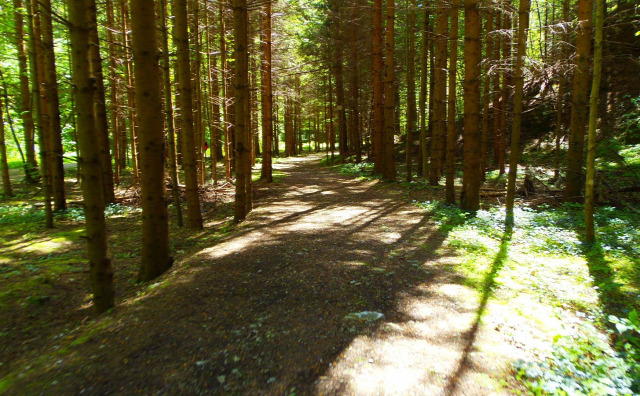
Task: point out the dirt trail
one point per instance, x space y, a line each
262 310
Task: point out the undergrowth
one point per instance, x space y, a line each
593 291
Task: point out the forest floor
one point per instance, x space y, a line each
333 285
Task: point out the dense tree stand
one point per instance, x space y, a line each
396 262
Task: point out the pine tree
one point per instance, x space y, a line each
81 19
439 95
181 39
378 89
451 107
579 110
523 26
590 232
267 97
155 258
31 166
389 166
242 144
4 166
470 199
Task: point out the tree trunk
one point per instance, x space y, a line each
579 110
181 39
378 90
486 97
242 144
196 66
288 128
389 166
332 135
506 85
439 96
40 102
276 135
423 164
214 102
340 102
267 97
470 199
131 102
451 108
168 113
497 104
560 111
523 26
593 124
31 166
411 90
155 255
298 113
52 111
113 90
356 140
101 273
225 103
100 109
7 191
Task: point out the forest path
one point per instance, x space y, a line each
262 310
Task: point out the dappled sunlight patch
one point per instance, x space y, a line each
422 354
50 246
344 213
549 277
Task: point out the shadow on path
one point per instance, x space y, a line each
487 291
263 310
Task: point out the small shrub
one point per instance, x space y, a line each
581 363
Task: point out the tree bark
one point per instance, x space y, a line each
497 104
228 150
440 96
214 102
7 191
560 111
168 113
486 97
101 273
590 232
113 90
579 110
100 109
181 39
340 103
332 135
31 166
523 26
196 68
506 87
423 164
242 144
411 90
155 254
378 89
451 108
52 111
355 136
40 102
129 80
267 97
389 166
470 199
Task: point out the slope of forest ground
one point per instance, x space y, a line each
271 306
